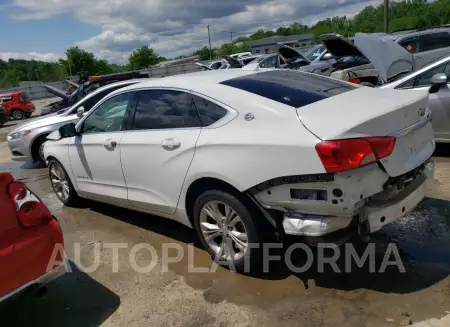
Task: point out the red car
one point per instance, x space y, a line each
29 235
17 104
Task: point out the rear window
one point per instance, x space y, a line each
23 96
292 88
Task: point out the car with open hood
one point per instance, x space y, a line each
93 83
388 59
25 142
199 149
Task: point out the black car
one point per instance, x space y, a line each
3 116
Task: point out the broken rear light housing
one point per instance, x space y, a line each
30 210
347 154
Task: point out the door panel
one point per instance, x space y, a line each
155 164
157 153
440 108
95 154
96 166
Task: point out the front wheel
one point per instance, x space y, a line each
17 114
61 184
228 230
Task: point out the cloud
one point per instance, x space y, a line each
177 27
51 57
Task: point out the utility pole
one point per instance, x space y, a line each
209 38
386 16
231 36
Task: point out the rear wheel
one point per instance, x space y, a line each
28 114
228 230
17 114
61 184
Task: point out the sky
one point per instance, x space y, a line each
112 29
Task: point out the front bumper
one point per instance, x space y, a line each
44 279
373 212
20 150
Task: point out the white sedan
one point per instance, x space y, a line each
236 154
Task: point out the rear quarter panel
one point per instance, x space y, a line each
245 153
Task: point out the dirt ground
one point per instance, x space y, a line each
176 296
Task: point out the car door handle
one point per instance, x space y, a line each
110 143
170 144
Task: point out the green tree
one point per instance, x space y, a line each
204 53
226 49
144 57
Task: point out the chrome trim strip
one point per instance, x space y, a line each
421 123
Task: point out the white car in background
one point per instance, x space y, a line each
236 154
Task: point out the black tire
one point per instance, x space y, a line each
252 258
35 149
28 114
73 200
17 114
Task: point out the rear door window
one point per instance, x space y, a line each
435 41
165 109
292 88
209 111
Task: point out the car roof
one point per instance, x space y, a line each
190 80
430 30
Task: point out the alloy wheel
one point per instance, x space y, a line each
223 230
59 182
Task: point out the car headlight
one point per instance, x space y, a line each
18 135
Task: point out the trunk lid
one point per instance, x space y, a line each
366 112
55 91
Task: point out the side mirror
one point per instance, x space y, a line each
327 56
80 112
437 81
67 131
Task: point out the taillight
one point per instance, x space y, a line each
354 80
343 155
31 211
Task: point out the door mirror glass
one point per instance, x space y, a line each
437 81
67 131
327 56
80 112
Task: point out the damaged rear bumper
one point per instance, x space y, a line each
381 201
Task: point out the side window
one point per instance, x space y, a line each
269 62
92 101
406 85
424 79
411 44
435 41
109 116
209 111
165 109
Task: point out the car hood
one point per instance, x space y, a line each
290 53
45 121
234 63
387 56
55 91
203 66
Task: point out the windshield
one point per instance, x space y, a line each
313 53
